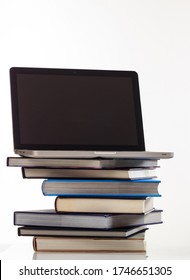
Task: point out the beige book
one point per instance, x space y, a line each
80 244
103 205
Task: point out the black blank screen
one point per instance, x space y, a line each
76 110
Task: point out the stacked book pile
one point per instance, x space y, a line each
101 205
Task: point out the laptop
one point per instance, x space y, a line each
75 113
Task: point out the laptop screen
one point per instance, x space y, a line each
71 109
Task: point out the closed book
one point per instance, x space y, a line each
139 232
102 187
133 173
88 244
103 205
79 163
51 218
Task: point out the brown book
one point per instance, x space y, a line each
83 244
103 205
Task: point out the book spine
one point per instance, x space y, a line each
42 188
55 204
8 162
19 232
23 172
14 218
34 244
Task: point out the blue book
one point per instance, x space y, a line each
101 188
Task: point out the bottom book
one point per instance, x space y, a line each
90 244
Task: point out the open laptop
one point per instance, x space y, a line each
72 113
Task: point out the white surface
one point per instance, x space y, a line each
150 37
24 251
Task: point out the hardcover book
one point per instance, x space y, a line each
138 173
51 218
102 187
80 163
139 232
103 205
88 244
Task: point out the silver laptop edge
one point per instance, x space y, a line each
95 154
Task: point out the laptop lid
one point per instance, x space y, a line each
75 113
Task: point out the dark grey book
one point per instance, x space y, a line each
51 218
138 173
137 232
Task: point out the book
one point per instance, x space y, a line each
88 244
51 218
139 232
79 163
103 187
139 173
103 205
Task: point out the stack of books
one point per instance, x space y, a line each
101 205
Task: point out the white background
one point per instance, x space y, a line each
150 37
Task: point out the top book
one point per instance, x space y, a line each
80 163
